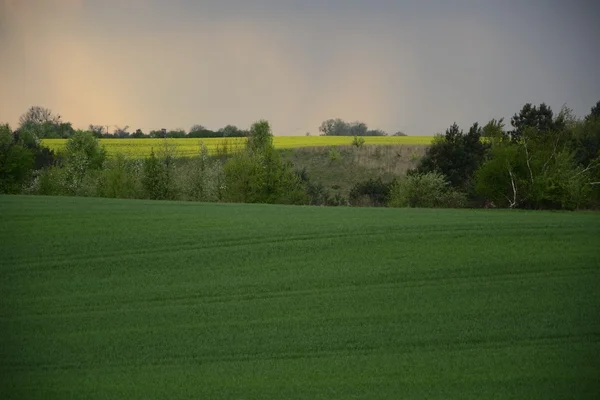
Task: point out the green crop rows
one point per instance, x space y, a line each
122 299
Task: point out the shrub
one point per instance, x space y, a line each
16 163
202 177
84 144
370 193
120 178
259 175
456 155
156 178
334 154
426 190
358 141
48 182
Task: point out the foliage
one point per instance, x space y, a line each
456 155
42 123
157 177
334 154
204 178
97 131
372 192
426 190
259 175
494 129
121 178
199 131
261 137
138 134
84 146
176 133
317 194
232 131
38 115
16 162
338 127
538 171
358 141
594 112
541 119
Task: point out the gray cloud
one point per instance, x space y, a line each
411 65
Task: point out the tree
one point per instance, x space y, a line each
162 133
232 131
399 133
122 133
97 130
494 129
370 193
552 168
541 118
259 175
156 178
261 137
176 133
138 134
456 155
357 129
335 127
16 162
197 128
595 112
425 190
375 132
83 145
38 115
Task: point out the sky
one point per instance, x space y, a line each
410 65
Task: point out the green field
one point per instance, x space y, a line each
124 299
189 147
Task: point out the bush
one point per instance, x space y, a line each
48 182
156 178
370 193
16 163
203 178
259 175
358 141
429 190
457 156
85 145
120 178
534 174
334 154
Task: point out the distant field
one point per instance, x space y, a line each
189 147
126 299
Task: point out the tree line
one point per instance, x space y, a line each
46 125
542 161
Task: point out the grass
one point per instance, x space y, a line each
139 300
189 147
353 165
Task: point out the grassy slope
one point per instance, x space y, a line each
137 299
355 164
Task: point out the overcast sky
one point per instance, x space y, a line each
410 65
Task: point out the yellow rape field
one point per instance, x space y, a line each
188 147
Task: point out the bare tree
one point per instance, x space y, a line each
97 130
38 115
